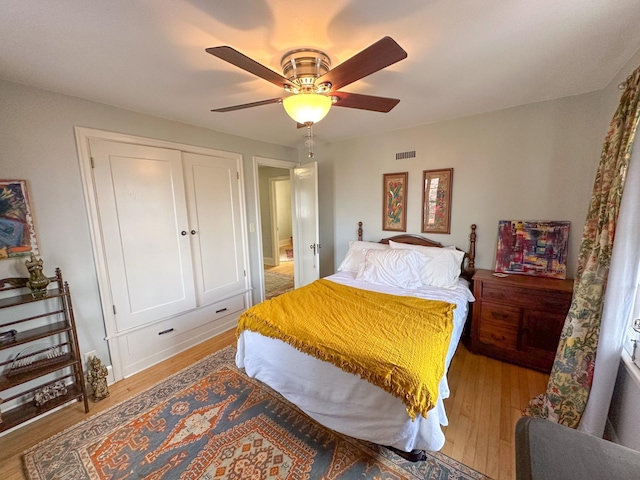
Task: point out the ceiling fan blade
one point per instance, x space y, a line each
381 54
247 105
365 102
240 60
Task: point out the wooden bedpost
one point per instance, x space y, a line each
360 231
472 248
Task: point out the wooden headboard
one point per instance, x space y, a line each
469 256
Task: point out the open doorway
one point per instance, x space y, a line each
277 230
303 198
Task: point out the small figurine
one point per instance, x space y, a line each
97 377
37 280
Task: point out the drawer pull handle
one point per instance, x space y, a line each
168 330
501 316
495 337
221 310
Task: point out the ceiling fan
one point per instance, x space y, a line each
314 86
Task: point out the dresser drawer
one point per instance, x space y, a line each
162 334
501 334
143 347
497 313
527 297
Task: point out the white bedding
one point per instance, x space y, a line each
344 402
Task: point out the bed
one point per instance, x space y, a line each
344 401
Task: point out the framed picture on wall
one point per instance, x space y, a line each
17 233
394 199
436 200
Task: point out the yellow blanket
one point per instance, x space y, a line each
397 343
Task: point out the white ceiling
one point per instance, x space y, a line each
464 56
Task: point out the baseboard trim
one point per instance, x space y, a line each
111 379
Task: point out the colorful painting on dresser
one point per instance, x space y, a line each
533 248
17 234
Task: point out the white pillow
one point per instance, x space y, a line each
396 268
355 256
444 268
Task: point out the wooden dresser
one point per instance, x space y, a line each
519 318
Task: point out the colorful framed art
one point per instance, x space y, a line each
394 194
436 200
536 248
17 233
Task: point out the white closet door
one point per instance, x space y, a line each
213 196
141 200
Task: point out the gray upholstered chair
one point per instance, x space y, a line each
548 451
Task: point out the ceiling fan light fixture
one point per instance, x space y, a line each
307 108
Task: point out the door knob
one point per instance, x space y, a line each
183 233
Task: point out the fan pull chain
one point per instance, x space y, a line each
309 140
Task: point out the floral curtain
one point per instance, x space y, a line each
572 373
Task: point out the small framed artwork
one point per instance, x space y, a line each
537 248
17 233
394 194
436 200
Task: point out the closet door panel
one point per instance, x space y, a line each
140 192
213 195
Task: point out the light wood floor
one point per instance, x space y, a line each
285 268
286 265
486 398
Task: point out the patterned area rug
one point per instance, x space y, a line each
210 421
276 284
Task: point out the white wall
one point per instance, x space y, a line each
283 211
533 162
37 144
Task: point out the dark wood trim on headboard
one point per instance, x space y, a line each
469 256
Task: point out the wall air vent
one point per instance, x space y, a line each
403 155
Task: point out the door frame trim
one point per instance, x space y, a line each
267 162
83 135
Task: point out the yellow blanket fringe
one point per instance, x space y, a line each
397 343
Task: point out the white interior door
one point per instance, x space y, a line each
307 236
143 219
213 195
